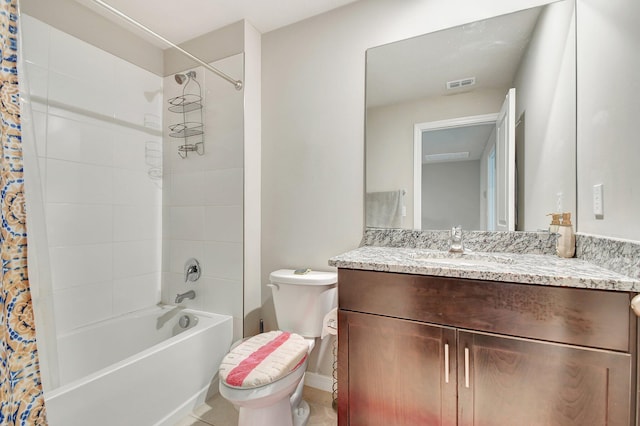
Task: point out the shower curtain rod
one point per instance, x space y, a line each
236 83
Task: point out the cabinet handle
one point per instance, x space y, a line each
446 363
466 367
635 304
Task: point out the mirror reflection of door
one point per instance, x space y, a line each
429 78
505 164
468 165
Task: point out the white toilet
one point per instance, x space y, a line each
263 376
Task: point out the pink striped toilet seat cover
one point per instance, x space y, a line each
263 359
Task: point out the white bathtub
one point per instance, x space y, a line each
141 369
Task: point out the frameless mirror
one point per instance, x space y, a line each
474 125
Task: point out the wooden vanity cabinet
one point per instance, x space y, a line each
421 350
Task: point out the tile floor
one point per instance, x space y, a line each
218 412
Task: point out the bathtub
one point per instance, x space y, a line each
141 369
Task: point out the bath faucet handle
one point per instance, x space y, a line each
191 270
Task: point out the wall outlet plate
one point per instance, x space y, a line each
598 205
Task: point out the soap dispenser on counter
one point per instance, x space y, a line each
555 222
566 242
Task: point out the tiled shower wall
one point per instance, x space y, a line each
203 198
98 135
123 210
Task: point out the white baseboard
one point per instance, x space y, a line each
318 381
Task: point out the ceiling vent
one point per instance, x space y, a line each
447 156
463 82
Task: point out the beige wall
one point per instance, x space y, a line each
313 76
456 187
546 93
214 45
313 131
389 132
608 111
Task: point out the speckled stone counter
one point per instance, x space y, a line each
540 269
507 242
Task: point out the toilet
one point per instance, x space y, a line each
263 376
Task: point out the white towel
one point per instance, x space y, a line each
383 209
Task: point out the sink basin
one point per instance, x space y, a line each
466 258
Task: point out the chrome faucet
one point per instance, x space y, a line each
192 270
456 244
188 295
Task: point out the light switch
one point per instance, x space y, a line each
598 207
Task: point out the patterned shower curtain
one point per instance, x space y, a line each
21 395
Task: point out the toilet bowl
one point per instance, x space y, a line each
264 375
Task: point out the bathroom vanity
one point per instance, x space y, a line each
501 340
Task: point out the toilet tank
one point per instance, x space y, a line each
302 300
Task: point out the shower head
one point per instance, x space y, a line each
181 78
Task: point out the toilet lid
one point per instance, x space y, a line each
263 359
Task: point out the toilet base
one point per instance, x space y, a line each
301 414
277 414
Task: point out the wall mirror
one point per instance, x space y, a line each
474 125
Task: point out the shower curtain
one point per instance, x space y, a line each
21 394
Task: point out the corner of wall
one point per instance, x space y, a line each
210 47
252 183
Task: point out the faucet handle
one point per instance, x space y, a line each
455 242
192 270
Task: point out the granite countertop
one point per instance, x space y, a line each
540 269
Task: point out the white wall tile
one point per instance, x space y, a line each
187 223
223 260
138 92
37 80
82 305
87 95
205 201
80 265
130 150
98 189
79 224
69 182
180 251
40 127
224 149
238 326
223 223
35 40
73 137
222 296
75 58
223 187
135 258
135 188
187 189
136 223
42 164
131 294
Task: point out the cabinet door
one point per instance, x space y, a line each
510 381
393 372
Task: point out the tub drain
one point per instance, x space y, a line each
184 321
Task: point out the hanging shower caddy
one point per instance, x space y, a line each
189 104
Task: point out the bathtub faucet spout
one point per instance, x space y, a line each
188 295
